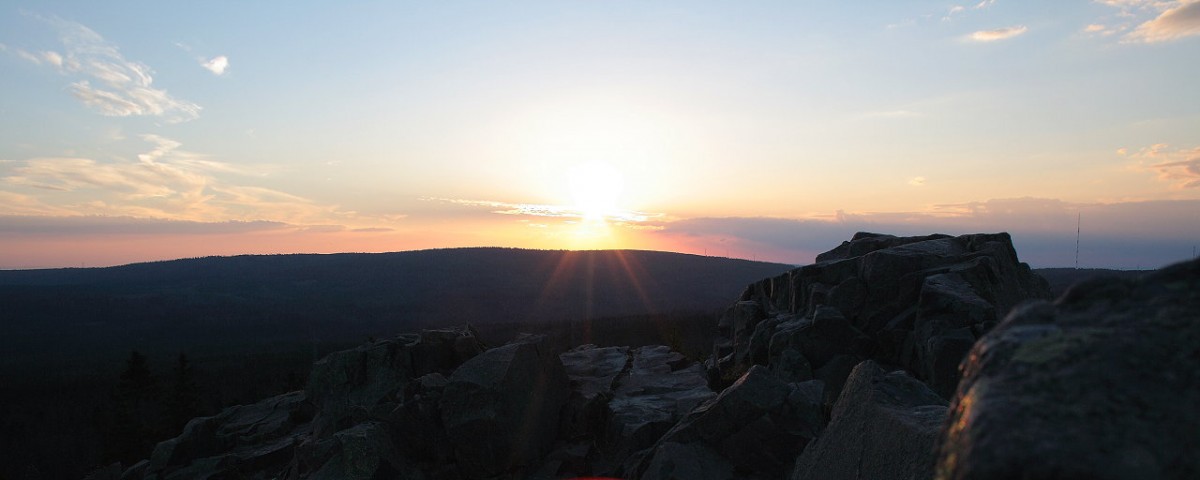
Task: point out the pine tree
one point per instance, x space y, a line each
135 411
183 403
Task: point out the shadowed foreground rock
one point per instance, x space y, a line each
437 405
753 429
239 439
883 427
1104 383
623 400
501 409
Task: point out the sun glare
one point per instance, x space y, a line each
595 189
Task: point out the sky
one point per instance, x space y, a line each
767 130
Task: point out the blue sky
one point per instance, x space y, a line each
135 132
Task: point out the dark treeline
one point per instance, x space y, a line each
61 424
70 317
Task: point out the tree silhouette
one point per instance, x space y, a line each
182 402
135 411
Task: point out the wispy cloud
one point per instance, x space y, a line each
1103 29
111 85
957 10
124 225
164 181
954 10
998 33
1178 166
20 204
629 217
917 181
45 57
1180 21
1150 21
217 65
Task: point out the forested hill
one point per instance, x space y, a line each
500 284
258 299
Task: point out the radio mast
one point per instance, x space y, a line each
1078 217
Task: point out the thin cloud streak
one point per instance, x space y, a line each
628 217
998 34
1180 166
31 225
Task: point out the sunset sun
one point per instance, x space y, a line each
595 189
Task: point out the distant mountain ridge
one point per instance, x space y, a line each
253 299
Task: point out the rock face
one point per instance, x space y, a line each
362 395
883 427
438 405
501 409
622 401
1105 383
917 302
240 439
753 429
348 385
661 387
341 426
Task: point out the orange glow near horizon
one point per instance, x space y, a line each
96 250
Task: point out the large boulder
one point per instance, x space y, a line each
352 385
593 373
501 409
1104 383
660 387
753 429
883 427
916 302
622 400
245 439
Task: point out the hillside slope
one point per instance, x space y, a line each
257 300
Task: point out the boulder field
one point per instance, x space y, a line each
888 358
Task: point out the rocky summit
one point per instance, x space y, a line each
844 369
914 302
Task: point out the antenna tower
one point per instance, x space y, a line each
1078 217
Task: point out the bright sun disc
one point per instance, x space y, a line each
595 189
